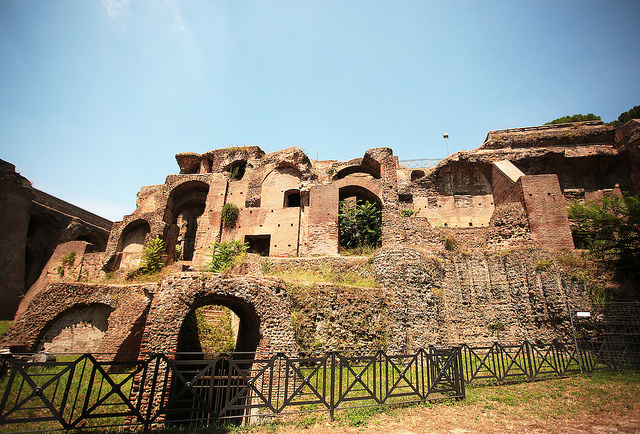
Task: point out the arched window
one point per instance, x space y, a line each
360 218
133 237
292 198
186 206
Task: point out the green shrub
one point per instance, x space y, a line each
360 225
407 212
177 254
4 326
152 256
69 259
229 214
224 254
496 327
610 230
266 267
216 336
543 265
450 242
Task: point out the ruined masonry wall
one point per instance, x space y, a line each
546 211
456 298
259 302
128 304
427 299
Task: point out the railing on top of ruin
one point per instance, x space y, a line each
421 163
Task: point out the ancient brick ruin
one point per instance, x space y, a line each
32 225
504 203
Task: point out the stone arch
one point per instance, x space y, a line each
128 306
185 207
122 236
292 198
363 187
262 304
236 169
365 165
130 245
78 329
360 193
94 238
133 236
417 174
276 183
248 334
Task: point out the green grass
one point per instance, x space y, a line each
4 326
554 399
325 275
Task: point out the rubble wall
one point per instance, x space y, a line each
426 299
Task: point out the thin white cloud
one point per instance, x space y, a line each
115 8
178 23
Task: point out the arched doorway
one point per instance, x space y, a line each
216 347
219 319
41 242
131 246
360 218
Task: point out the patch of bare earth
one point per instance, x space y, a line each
572 405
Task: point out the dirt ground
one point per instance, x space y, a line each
574 405
462 420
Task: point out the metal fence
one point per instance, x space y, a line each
613 331
421 163
504 363
87 393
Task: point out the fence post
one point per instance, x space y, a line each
575 339
498 359
332 386
460 375
530 360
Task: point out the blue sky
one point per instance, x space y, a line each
96 97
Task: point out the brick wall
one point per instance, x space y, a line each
546 211
282 224
51 274
323 220
261 304
128 304
15 196
502 186
455 211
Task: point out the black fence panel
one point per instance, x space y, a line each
86 392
